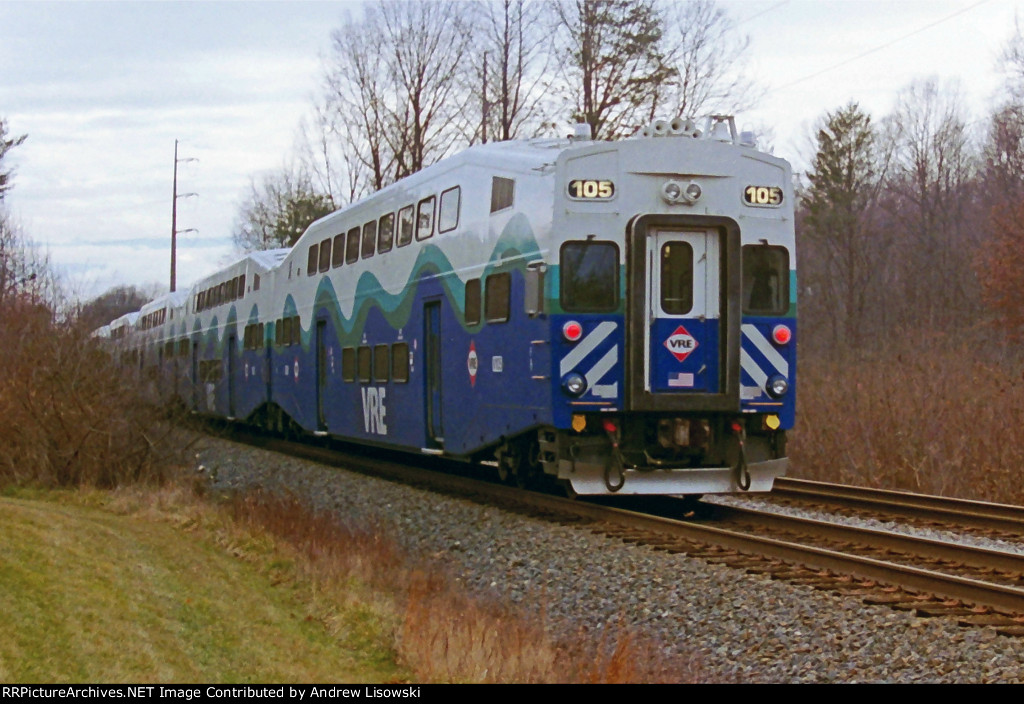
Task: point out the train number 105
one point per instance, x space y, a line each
767 196
590 189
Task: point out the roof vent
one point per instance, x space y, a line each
581 132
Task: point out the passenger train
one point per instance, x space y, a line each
617 316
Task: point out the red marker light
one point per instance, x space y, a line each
782 335
572 331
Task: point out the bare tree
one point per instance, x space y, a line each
395 92
613 62
510 58
930 187
707 57
1003 157
426 46
278 210
356 113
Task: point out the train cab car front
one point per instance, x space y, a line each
676 369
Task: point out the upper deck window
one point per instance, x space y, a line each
589 278
425 219
448 216
503 192
325 255
352 246
765 280
369 239
311 261
338 251
405 226
386 233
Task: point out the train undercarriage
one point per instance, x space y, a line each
650 454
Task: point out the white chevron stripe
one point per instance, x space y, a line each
586 346
598 371
748 365
764 347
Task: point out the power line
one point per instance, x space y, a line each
762 12
882 46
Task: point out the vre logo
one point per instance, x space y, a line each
374 410
681 343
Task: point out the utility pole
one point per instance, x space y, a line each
174 218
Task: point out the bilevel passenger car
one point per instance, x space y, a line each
616 315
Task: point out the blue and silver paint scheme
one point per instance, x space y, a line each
664 383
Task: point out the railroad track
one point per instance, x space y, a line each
978 587
994 520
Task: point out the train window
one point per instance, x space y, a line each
286 331
369 239
365 363
338 255
296 331
400 362
589 280
386 238
496 305
472 301
255 282
448 215
765 280
348 364
259 334
425 219
313 258
241 286
325 255
677 278
352 246
503 192
405 226
381 362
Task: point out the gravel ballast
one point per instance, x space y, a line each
744 628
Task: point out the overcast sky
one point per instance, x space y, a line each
104 89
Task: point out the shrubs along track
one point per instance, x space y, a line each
73 415
933 414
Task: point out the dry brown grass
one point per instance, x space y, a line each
443 635
73 416
931 414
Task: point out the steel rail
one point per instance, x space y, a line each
913 547
664 530
943 509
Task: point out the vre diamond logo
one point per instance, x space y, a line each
680 343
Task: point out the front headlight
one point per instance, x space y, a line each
777 386
574 384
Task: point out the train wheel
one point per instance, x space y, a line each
528 468
508 461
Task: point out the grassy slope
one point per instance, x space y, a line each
88 595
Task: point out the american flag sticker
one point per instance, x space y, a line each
680 380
